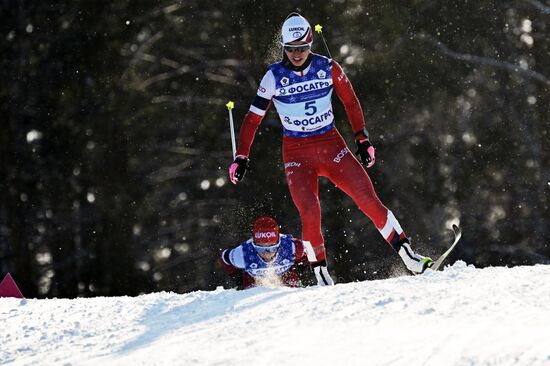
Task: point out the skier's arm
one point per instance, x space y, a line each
248 131
232 265
256 114
302 264
301 256
346 94
250 125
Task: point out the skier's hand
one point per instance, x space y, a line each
238 168
365 150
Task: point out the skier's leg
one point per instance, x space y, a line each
303 183
347 173
342 168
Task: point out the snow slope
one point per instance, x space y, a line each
461 316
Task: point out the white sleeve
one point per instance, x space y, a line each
265 92
235 257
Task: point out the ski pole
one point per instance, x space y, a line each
319 29
230 106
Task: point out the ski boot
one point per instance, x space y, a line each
321 273
415 263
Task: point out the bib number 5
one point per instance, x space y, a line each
311 108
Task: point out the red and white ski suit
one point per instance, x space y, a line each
307 158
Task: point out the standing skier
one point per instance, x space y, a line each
268 258
301 87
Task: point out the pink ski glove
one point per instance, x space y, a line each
238 168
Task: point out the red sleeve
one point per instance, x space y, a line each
301 256
248 131
345 92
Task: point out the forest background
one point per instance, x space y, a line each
115 144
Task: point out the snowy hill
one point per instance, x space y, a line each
461 316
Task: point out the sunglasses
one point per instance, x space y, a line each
298 48
270 249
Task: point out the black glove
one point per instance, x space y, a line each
238 168
365 150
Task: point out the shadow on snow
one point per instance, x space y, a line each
159 321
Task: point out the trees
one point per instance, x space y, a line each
64 182
115 143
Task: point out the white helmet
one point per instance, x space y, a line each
296 28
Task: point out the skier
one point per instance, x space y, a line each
268 258
301 86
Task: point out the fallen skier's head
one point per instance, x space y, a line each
266 238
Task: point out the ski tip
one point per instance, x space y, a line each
457 231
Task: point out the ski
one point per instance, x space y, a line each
440 260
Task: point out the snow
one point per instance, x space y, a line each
459 316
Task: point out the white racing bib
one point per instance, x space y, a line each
304 102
